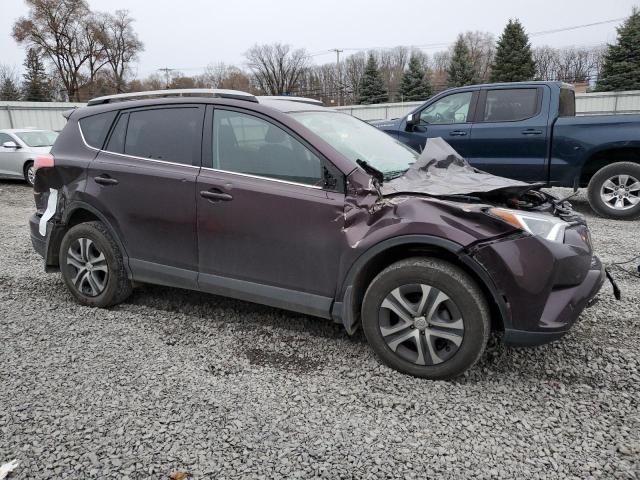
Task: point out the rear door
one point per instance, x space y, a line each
448 117
269 229
145 178
511 133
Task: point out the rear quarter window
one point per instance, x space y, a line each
96 127
567 106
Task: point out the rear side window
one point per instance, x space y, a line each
567 103
116 141
509 105
96 127
169 134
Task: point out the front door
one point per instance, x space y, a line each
11 158
448 117
145 177
268 230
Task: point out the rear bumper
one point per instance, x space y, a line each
38 241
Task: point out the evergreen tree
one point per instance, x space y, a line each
621 69
460 71
372 85
9 90
414 84
514 60
35 85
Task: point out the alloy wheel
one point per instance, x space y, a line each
621 192
90 267
31 174
421 324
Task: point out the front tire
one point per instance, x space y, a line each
92 266
426 317
29 173
614 191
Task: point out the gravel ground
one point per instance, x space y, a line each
180 381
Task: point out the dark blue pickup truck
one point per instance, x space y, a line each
528 131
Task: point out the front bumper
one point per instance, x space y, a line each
545 285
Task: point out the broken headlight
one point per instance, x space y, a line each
544 225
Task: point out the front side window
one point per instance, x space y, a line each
246 144
508 105
38 138
169 134
450 109
5 138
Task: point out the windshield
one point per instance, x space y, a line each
358 140
38 138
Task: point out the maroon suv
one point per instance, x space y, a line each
293 205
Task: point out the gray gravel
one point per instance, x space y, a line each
181 381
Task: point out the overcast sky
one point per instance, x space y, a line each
189 34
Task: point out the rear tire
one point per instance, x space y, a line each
614 191
29 173
92 266
426 317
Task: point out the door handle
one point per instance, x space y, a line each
457 133
531 131
216 196
105 180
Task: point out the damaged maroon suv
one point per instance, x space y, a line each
289 204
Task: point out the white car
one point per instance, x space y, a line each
19 148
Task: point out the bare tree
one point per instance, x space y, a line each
121 46
354 66
546 60
276 68
481 47
392 63
439 65
57 29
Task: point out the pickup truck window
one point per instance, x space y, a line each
508 105
567 107
453 108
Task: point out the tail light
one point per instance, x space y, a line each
43 161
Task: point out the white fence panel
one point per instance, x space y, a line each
49 114
45 115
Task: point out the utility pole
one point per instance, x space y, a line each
338 52
167 74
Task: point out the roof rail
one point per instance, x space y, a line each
179 92
310 101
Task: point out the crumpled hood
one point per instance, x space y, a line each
441 171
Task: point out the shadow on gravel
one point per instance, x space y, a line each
246 315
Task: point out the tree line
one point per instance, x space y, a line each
73 53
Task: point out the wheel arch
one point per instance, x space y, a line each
75 214
607 156
346 308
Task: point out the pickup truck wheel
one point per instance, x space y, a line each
92 266
426 317
614 191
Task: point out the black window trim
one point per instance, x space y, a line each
197 161
482 103
207 150
473 107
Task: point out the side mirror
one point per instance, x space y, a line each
13 145
413 119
